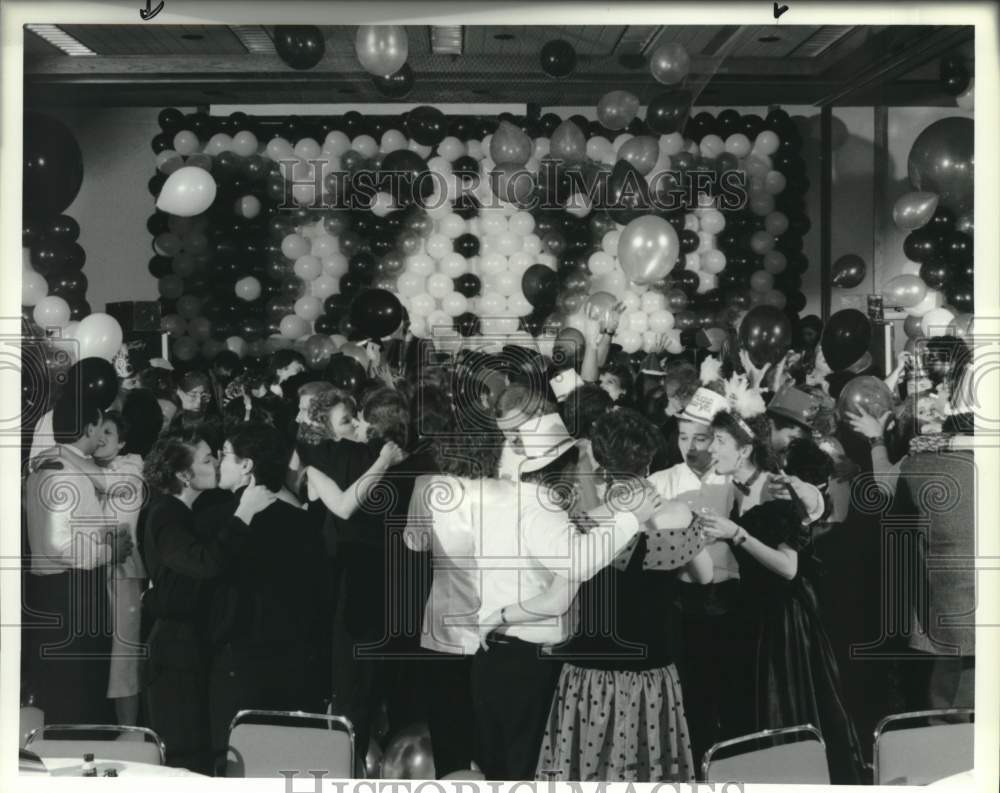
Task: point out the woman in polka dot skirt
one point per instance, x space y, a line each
618 714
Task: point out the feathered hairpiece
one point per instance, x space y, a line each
745 402
711 370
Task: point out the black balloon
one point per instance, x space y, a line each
53 167
395 85
540 285
467 245
846 338
66 228
668 112
960 247
558 58
687 280
627 193
300 46
935 273
350 284
765 334
68 284
467 324
468 285
78 308
345 373
921 246
962 296
689 241
94 380
403 173
427 125
376 313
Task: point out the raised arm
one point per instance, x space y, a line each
344 503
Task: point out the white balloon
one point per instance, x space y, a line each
185 143
636 321
518 304
578 205
423 304
706 281
218 143
691 222
519 261
453 265
609 243
392 140
438 205
509 243
336 143
420 264
365 145
451 226
541 147
521 223
245 143
493 263
438 246
738 144
713 262
451 148
474 149
933 299
631 300
492 221
630 341
653 301
382 204
335 265
423 151
672 143
620 141
661 320
598 148
532 243
307 149
936 321
600 263
439 285
410 284
548 259
188 191
324 286
454 303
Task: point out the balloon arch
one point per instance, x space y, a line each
312 232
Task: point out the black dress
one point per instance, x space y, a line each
793 676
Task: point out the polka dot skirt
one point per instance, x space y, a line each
617 727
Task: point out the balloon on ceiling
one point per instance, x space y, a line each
300 46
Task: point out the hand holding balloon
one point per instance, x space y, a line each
868 425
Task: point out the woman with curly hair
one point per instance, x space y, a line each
790 672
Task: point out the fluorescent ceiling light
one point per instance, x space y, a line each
61 40
446 39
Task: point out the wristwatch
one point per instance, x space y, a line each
873 442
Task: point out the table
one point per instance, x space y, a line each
70 766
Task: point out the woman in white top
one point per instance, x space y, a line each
124 491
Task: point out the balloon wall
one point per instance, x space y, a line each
270 233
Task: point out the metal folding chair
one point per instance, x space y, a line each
104 741
790 755
270 743
923 746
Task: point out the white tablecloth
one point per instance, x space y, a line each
70 766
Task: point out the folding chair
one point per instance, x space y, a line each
272 743
923 746
31 719
790 755
104 741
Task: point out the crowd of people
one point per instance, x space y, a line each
580 567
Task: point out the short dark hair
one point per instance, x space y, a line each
71 417
227 364
806 460
266 448
283 358
624 374
170 456
121 424
458 450
524 398
144 415
582 407
625 442
760 437
191 379
388 414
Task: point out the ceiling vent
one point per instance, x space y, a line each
822 40
255 38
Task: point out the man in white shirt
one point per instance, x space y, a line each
73 536
513 681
